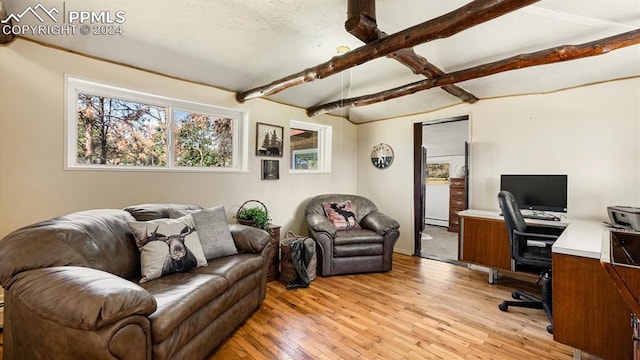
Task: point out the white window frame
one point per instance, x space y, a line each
75 85
324 146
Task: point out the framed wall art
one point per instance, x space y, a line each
269 140
438 173
270 170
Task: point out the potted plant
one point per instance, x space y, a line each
256 216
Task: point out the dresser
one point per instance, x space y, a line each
457 202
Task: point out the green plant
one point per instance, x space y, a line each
257 215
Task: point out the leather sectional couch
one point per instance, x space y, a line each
72 291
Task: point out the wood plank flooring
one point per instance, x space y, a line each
423 309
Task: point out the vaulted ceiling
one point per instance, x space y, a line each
242 45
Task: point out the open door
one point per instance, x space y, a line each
419 187
466 173
423 187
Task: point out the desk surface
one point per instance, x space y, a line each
580 237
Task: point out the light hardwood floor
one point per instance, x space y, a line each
423 309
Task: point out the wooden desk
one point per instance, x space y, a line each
588 311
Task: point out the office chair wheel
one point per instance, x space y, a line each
550 329
503 307
515 295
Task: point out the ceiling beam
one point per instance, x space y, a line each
465 17
548 56
361 23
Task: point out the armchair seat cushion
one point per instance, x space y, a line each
357 250
361 236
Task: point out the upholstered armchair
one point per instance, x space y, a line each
351 235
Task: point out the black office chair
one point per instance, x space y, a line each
531 249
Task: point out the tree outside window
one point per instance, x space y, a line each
117 128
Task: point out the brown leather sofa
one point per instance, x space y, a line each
352 251
71 291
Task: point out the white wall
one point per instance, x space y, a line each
34 185
591 133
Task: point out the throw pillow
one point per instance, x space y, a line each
167 246
341 215
213 231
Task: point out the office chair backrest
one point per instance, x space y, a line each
514 220
511 211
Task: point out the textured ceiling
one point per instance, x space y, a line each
238 45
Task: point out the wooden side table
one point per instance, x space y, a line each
273 272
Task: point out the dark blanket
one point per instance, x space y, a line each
302 250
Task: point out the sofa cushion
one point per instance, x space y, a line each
233 268
167 246
341 215
178 296
213 230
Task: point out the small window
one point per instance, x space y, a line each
310 146
114 128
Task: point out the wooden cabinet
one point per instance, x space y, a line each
457 202
484 242
273 272
588 311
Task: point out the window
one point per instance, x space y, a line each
114 128
310 146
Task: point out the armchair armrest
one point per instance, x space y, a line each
537 240
249 239
320 223
80 298
379 223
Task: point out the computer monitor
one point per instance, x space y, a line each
537 192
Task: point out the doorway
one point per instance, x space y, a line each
442 174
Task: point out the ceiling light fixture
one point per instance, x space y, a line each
342 49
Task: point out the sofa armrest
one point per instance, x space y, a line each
379 223
249 239
320 223
78 297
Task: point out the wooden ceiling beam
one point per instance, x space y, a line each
543 57
361 23
465 17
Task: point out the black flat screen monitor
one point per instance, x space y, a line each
537 192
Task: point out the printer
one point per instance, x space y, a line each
625 216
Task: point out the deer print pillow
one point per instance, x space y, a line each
341 215
167 246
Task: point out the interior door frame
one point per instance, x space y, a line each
419 179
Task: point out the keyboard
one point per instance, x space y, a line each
541 217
